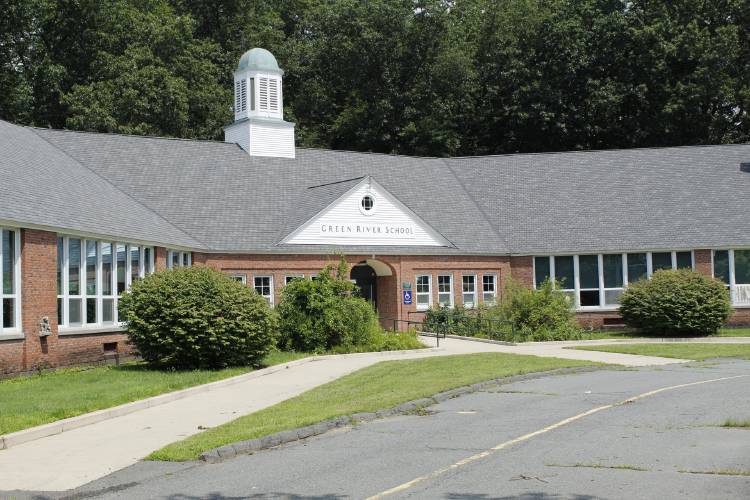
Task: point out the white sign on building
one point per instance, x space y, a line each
366 215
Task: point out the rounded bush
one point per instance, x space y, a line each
680 302
196 317
322 314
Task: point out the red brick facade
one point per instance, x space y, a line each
39 294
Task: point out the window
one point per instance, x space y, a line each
469 290
177 259
291 277
613 275
445 290
10 271
598 280
489 288
367 203
424 292
637 267
264 286
541 270
91 275
242 278
661 260
588 276
733 268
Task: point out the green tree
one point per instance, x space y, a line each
150 76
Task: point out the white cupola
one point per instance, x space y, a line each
259 127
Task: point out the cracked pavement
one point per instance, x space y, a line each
666 445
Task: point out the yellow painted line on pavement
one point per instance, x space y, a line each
526 437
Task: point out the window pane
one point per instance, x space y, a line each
74 267
9 259
107 268
612 270
108 310
147 260
721 265
74 312
60 264
90 311
612 297
122 258
742 267
564 272
684 260
661 260
468 284
135 263
588 271
9 313
90 268
589 298
59 311
541 270
185 259
637 269
175 259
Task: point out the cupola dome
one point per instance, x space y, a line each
258 59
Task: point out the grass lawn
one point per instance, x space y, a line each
39 399
383 385
612 335
696 351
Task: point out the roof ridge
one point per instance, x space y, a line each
159 137
478 207
128 195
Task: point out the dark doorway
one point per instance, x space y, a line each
366 280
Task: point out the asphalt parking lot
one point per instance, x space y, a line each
510 441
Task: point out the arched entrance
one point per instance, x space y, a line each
366 280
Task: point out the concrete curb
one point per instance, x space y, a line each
248 447
68 424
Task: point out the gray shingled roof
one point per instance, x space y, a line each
212 195
43 186
649 199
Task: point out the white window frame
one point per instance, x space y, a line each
182 258
473 303
428 293
242 278
289 277
493 293
269 297
603 306
733 285
450 287
145 266
16 330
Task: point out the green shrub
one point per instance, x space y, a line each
384 341
322 314
538 314
197 318
680 302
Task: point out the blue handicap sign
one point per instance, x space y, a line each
407 297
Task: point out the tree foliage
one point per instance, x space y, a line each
429 77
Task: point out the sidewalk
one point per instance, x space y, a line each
76 457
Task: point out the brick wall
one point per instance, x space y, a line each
38 296
39 293
522 269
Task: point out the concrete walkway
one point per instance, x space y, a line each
73 458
